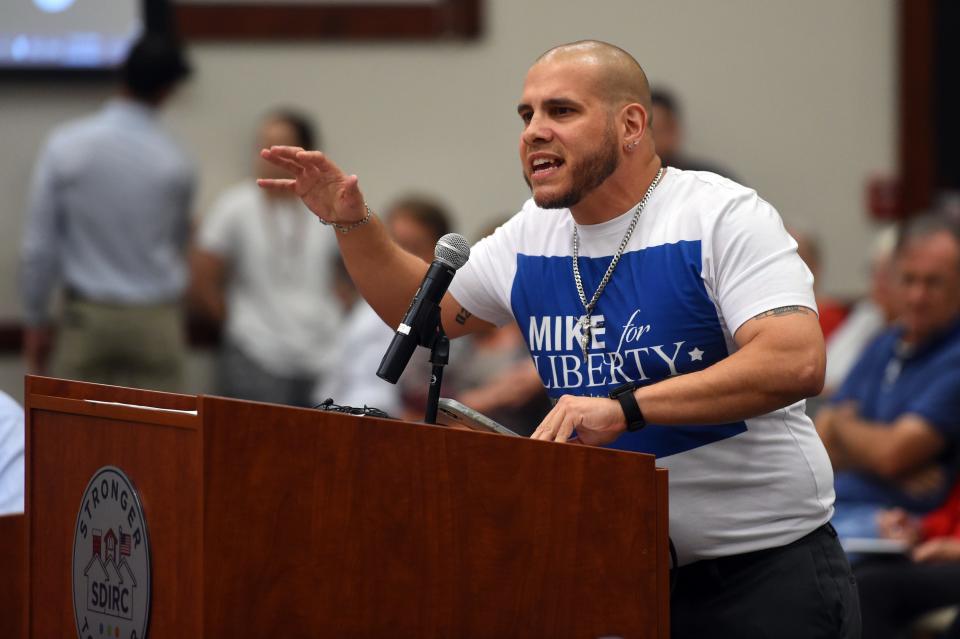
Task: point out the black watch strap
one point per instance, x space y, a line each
628 402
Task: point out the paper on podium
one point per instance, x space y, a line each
140 406
875 546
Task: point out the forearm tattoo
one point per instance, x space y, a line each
463 316
784 310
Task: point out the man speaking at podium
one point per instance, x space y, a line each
667 312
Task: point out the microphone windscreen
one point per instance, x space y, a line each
453 250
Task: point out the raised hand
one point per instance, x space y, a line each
331 194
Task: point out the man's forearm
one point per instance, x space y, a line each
211 303
863 443
38 278
207 280
386 275
891 450
757 379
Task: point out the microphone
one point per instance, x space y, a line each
423 316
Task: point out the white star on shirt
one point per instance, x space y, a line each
696 355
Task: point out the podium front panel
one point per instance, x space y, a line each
321 524
68 440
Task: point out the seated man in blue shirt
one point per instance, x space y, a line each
893 428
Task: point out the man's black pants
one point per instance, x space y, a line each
804 590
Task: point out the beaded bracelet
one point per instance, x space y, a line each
346 228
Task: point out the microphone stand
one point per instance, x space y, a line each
431 336
439 356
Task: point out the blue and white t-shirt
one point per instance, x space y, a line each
706 256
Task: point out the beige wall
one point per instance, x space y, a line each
796 97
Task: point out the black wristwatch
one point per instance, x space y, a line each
631 409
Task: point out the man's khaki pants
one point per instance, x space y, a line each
123 345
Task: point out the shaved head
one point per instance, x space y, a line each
586 136
619 77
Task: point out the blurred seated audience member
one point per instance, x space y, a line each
666 123
109 218
830 312
262 267
417 223
11 455
868 316
360 345
893 428
896 590
498 378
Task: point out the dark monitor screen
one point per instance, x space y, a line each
65 35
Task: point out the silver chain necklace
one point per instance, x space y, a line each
584 321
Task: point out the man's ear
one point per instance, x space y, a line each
635 120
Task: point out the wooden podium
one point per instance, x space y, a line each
13 576
268 521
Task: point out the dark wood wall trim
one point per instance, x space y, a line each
11 336
917 167
453 19
201 334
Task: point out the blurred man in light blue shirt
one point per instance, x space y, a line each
11 456
109 220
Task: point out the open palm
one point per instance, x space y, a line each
326 190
